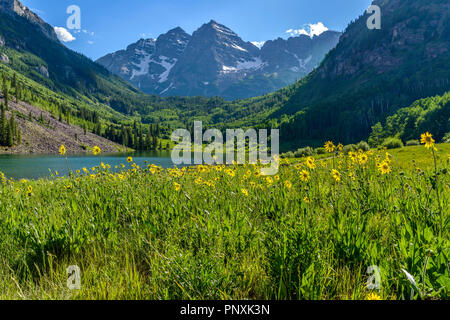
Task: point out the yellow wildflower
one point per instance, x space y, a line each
363 158
329 146
384 167
427 140
62 150
311 162
96 150
336 175
373 296
304 176
230 172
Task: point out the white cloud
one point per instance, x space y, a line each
90 42
313 29
64 35
91 33
317 29
258 44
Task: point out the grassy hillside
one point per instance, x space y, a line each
408 123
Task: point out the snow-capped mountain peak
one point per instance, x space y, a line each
215 60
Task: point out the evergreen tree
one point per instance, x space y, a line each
19 136
376 137
141 140
12 125
9 136
18 93
5 91
130 138
148 141
124 137
14 81
3 126
136 140
15 85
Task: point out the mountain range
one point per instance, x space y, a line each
215 61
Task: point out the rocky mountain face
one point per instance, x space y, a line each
148 63
45 137
410 27
215 61
15 7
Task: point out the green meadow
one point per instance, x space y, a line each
226 232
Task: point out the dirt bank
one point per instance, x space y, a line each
47 137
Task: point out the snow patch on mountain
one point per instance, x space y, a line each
226 69
143 66
303 62
254 64
258 44
223 30
167 89
168 66
235 46
244 65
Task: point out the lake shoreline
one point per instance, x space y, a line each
51 152
36 166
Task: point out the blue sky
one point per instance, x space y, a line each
111 25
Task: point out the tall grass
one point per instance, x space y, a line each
228 233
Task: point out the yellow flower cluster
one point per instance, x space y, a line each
344 169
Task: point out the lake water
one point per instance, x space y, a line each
38 166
